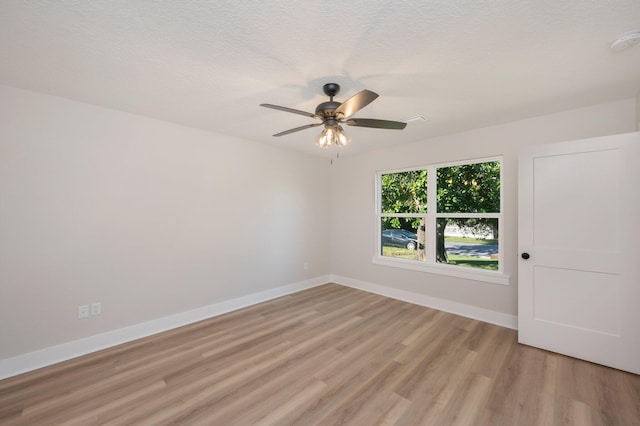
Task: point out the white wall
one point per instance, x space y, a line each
353 239
638 111
147 217
153 219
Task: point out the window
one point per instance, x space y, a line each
442 218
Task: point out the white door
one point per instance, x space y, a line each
579 226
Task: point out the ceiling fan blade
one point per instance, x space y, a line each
378 124
297 129
285 109
356 103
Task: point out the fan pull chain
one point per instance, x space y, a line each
337 156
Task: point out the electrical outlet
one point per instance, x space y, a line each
96 308
83 311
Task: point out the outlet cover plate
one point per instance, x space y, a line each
96 308
83 311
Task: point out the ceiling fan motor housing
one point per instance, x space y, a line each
327 109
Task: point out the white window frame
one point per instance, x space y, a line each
430 265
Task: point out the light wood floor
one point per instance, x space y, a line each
326 356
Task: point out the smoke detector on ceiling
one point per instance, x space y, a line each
625 40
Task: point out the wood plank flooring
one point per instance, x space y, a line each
330 355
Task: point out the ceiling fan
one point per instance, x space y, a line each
333 114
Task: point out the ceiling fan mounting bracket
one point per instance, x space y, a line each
331 89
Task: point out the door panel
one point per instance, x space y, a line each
579 211
579 299
585 185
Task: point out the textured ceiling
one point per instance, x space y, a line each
209 64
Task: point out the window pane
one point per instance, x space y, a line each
402 237
469 188
468 242
404 192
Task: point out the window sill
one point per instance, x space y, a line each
453 271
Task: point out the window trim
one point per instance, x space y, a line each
429 265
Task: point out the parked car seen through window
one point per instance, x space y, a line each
399 238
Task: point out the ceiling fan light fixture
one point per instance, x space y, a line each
342 139
332 135
325 138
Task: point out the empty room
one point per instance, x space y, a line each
334 213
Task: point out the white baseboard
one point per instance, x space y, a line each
41 358
481 314
33 360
